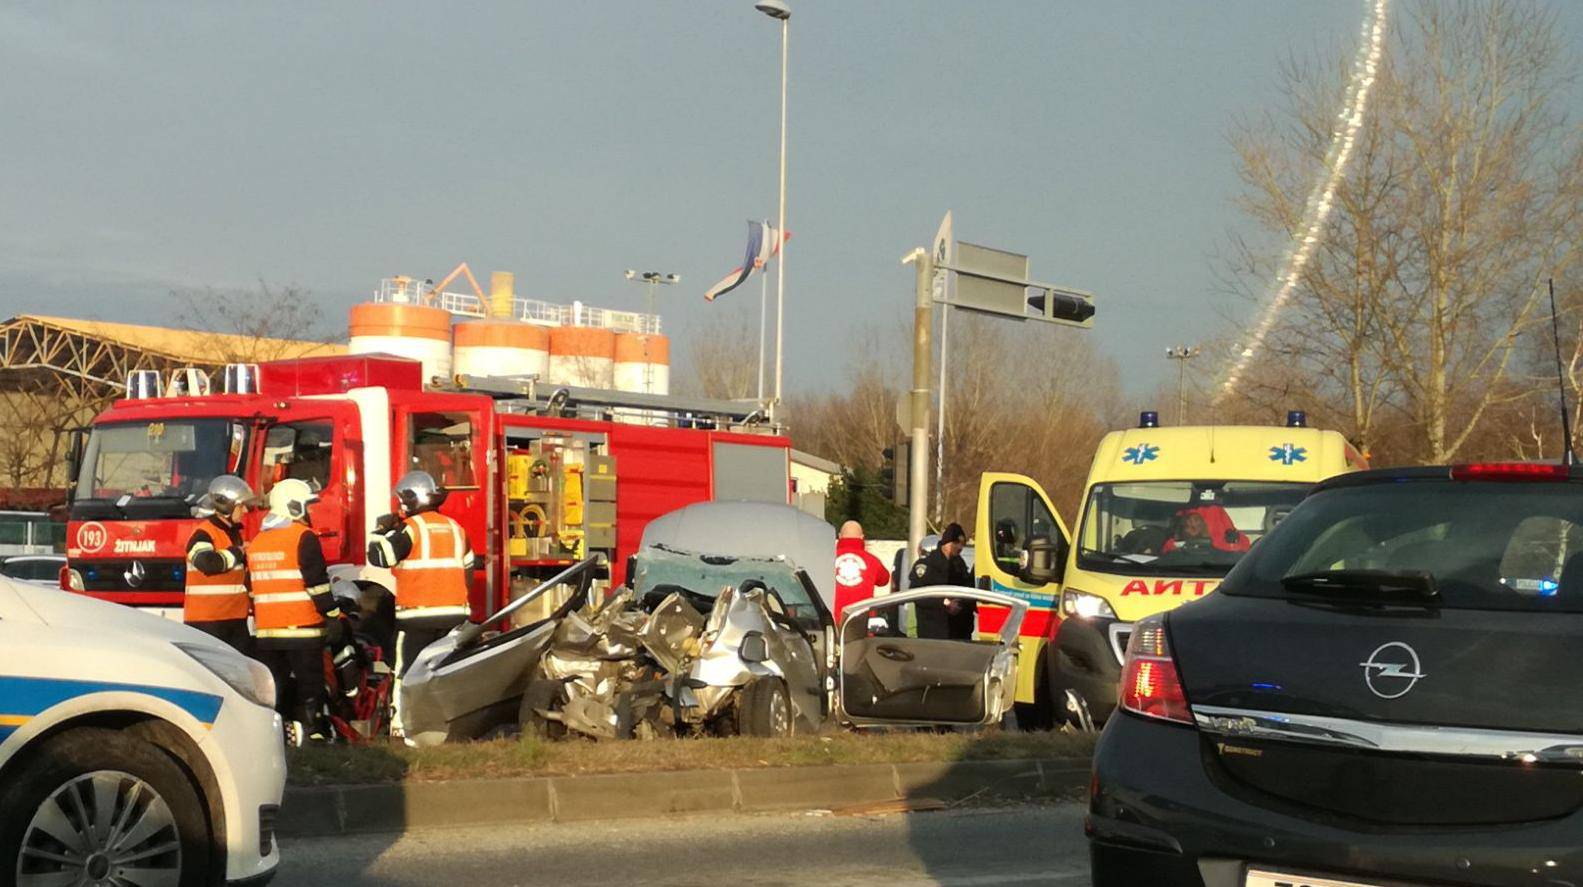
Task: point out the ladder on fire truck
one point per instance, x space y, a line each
529 395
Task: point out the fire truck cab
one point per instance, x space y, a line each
539 477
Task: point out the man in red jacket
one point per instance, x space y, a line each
857 573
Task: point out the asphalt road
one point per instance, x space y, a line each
1016 845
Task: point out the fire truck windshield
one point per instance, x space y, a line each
154 469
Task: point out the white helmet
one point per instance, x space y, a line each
417 491
290 498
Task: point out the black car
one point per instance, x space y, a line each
1385 691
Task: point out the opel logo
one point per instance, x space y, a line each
1392 670
135 575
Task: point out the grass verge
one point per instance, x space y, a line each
356 765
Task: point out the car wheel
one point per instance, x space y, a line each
98 806
764 709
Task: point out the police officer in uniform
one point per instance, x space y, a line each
216 601
428 554
945 619
293 610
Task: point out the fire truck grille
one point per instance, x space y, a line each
133 575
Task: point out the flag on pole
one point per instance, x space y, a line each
764 243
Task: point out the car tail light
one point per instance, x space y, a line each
71 580
1511 471
1150 685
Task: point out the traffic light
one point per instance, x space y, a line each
895 472
1065 307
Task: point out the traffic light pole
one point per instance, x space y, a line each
922 351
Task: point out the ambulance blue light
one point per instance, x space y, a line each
1296 419
1148 419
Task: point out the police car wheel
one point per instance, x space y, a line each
98 807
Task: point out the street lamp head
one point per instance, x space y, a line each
631 275
673 278
776 9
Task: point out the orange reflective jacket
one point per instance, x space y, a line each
282 604
219 597
432 579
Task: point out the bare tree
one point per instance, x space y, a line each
724 358
1465 191
266 323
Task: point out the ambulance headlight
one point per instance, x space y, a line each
1085 606
247 677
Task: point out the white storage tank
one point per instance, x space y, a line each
643 363
419 332
582 356
501 348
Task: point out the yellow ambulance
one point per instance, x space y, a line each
1166 512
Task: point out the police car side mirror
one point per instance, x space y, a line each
1040 562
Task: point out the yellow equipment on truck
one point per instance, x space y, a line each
1166 513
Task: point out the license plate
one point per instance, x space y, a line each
1257 878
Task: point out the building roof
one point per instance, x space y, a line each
193 345
815 462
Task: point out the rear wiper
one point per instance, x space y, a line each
1410 584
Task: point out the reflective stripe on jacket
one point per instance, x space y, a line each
431 580
223 596
283 604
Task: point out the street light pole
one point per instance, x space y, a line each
652 279
1181 354
777 9
918 413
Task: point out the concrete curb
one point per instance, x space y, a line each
394 808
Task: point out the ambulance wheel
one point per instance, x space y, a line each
764 709
1040 713
98 806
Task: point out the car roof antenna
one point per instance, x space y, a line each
1567 458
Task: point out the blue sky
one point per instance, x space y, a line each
157 146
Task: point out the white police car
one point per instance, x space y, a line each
133 750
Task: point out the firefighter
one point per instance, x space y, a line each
216 601
428 555
293 610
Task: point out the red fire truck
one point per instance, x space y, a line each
539 476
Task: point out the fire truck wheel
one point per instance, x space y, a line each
764 709
55 801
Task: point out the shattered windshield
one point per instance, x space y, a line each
664 570
1180 527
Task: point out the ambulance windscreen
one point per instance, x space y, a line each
1188 527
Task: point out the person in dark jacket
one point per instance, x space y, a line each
948 618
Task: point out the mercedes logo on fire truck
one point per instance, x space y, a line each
1392 670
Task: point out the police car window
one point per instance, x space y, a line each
1488 546
442 445
298 451
1539 555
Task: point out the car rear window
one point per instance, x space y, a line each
1488 545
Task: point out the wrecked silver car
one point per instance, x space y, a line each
700 643
706 642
